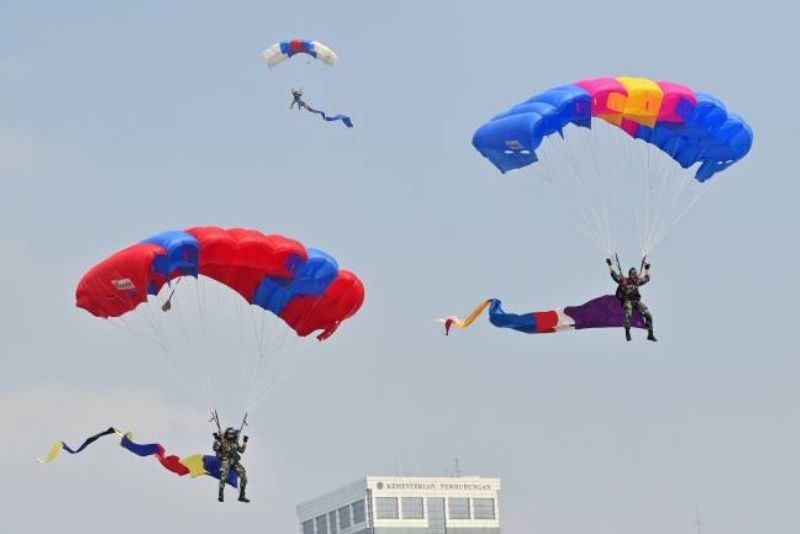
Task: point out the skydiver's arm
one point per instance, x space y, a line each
646 277
614 274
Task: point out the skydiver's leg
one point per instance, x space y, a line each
224 470
627 321
242 482
648 317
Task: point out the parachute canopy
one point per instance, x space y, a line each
302 286
277 53
691 127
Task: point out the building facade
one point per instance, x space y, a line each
406 505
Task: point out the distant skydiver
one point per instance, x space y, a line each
629 297
229 451
297 96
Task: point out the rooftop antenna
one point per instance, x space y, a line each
698 522
458 465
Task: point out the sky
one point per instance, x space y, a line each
120 120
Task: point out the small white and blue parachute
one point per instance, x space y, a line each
279 52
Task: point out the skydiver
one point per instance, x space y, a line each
228 450
629 297
297 96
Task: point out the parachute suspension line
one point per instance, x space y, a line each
670 216
200 295
259 327
177 319
646 221
700 191
244 361
253 406
592 223
595 165
658 212
123 324
581 224
262 371
263 367
596 222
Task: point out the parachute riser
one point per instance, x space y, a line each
244 424
215 419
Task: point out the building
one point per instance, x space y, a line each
406 505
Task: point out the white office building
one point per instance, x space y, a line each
406 505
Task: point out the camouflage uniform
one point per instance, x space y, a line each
628 294
229 451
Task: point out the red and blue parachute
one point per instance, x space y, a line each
226 307
303 286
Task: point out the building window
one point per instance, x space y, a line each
332 522
483 508
358 512
344 517
459 507
322 524
386 508
412 508
308 527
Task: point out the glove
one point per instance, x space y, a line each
608 262
245 438
216 436
646 266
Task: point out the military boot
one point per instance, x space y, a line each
242 497
650 336
221 497
627 334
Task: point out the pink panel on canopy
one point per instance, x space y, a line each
608 97
678 102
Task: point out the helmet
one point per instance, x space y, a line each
230 433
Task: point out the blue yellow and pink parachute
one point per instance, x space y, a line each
643 165
691 127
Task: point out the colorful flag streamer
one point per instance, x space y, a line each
338 117
602 312
195 465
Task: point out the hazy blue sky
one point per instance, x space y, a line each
119 120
